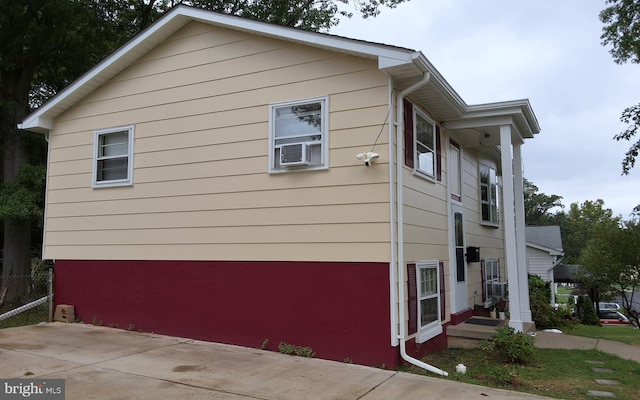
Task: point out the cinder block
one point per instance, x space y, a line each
64 313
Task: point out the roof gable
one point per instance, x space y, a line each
404 65
42 119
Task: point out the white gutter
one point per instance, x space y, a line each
555 264
400 224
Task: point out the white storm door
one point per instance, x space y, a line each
458 262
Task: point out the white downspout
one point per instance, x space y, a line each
553 279
393 284
399 123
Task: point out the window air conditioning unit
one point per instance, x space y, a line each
294 154
499 290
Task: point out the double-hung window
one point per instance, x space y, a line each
113 157
488 194
422 146
455 171
428 299
299 135
425 145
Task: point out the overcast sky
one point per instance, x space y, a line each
547 51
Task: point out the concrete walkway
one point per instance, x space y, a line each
549 340
546 340
106 363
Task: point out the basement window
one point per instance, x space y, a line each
428 300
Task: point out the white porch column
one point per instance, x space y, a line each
509 223
521 242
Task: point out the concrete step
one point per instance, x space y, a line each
466 335
474 331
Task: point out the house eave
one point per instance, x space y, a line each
438 96
103 71
404 66
39 125
38 121
453 113
553 252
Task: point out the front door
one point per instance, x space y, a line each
458 263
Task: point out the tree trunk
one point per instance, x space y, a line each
16 263
17 260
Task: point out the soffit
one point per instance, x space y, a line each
480 125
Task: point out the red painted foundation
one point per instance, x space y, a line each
341 310
419 350
462 316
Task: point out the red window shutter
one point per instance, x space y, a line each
412 295
408 133
438 154
484 281
443 297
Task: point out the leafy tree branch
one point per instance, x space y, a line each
621 31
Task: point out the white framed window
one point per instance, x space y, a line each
492 273
298 135
428 280
455 171
425 145
488 195
492 281
113 157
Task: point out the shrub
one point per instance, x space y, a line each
542 313
512 346
539 288
580 307
546 316
586 312
571 301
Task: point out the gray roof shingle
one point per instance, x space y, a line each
546 236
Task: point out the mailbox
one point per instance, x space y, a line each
473 254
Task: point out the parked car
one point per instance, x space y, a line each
609 306
609 317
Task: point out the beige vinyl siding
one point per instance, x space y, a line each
199 104
231 251
426 227
490 240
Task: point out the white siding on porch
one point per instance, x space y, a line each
490 240
539 262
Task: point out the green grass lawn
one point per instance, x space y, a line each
563 294
624 334
564 290
553 373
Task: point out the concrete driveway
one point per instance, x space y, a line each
106 363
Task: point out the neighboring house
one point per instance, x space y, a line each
203 182
566 273
544 252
